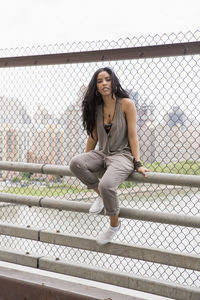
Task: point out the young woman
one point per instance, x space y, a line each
109 117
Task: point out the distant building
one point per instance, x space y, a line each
42 116
177 117
74 134
12 111
174 145
14 144
21 140
145 114
47 145
31 144
52 141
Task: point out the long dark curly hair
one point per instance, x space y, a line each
92 98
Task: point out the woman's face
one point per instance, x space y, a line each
104 83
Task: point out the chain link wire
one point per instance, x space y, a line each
135 41
40 115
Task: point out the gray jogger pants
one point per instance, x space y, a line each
117 168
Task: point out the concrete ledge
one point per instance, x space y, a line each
20 285
21 258
166 257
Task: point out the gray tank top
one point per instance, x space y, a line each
117 139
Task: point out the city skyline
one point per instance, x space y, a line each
162 82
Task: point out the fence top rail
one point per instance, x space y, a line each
59 170
166 50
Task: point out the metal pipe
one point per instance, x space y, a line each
20 199
125 212
20 166
155 178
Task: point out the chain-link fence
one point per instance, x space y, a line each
40 119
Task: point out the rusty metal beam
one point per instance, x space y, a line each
18 285
166 50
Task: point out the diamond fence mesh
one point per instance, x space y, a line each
40 119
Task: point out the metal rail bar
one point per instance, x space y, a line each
125 212
155 178
176 49
170 258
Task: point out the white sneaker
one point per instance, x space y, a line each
107 235
97 206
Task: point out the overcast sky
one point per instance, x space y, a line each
44 22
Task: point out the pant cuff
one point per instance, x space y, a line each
110 213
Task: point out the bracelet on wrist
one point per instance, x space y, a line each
137 164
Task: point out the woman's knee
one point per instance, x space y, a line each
76 164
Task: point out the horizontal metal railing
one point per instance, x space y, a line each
171 258
125 212
176 49
155 178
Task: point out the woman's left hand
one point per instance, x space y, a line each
143 171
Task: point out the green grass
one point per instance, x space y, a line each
127 184
185 167
39 191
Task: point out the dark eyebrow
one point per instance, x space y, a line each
107 77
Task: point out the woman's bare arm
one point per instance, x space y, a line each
92 141
129 109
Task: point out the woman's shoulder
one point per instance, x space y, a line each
125 100
127 103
